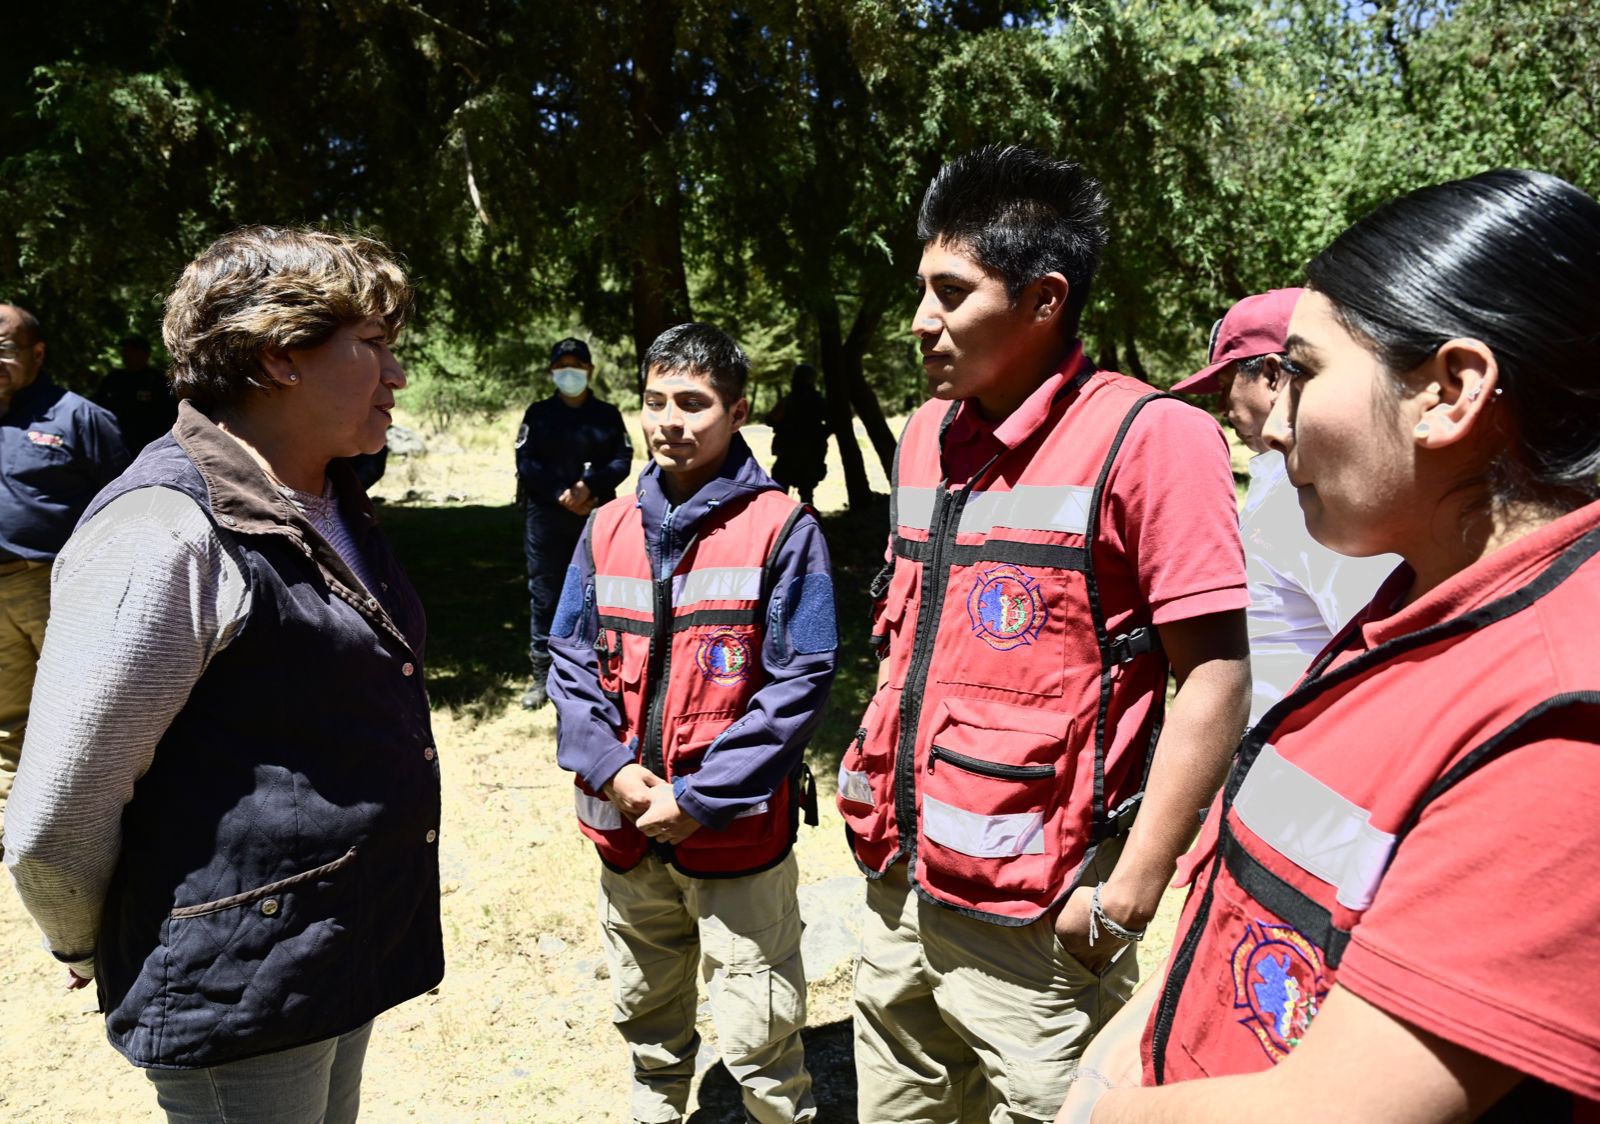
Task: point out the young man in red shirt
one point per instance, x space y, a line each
1060 537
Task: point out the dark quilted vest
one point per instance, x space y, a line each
279 876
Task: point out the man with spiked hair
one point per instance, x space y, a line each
1061 538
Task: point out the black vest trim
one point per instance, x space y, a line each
1048 555
625 624
1104 824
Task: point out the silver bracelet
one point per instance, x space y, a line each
1093 1075
1098 918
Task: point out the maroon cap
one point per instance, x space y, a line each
1255 326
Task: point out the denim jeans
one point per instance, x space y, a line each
315 1084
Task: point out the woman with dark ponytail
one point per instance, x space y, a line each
1393 911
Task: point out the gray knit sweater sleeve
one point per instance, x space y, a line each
141 598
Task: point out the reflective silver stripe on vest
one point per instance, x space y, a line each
855 786
1062 508
984 837
915 506
602 815
759 810
717 583
612 592
1314 827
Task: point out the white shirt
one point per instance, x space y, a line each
1301 592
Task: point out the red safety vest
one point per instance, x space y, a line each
1292 859
681 658
1010 732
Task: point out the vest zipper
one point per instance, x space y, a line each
652 751
935 584
935 577
989 768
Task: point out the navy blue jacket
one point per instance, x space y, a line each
762 749
558 445
57 450
279 876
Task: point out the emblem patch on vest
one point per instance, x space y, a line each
1278 983
38 437
724 657
1006 608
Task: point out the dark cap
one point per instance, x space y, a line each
571 346
1255 326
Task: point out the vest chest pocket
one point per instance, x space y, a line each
621 664
889 614
993 796
1009 623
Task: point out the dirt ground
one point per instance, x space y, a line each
520 1029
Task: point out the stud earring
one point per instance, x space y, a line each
1422 429
292 377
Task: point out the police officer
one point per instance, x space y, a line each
572 452
56 451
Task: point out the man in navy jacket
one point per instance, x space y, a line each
56 451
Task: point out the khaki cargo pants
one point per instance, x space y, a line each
24 608
743 935
960 1020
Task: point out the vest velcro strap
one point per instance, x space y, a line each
1128 646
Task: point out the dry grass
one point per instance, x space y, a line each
520 1029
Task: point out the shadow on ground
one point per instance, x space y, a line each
829 1050
466 562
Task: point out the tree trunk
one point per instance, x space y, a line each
1135 366
862 398
836 383
660 286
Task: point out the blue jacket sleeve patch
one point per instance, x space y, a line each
813 627
570 607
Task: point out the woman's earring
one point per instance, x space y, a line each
1422 429
291 377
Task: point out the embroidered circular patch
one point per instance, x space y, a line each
1006 608
1278 984
724 657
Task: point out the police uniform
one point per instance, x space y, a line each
1019 700
557 446
57 450
1415 822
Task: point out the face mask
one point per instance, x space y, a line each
570 380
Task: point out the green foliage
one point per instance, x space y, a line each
758 163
